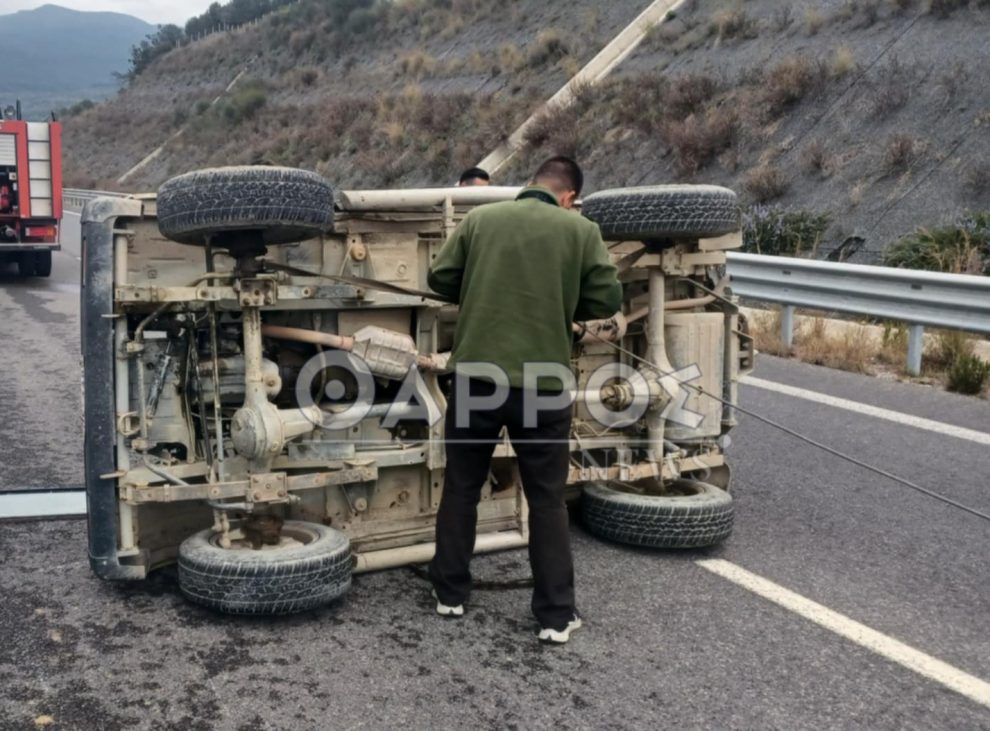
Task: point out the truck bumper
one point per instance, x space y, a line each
15 248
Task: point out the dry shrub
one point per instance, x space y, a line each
946 348
550 47
866 11
842 63
556 129
508 59
816 158
945 8
857 192
700 138
765 183
893 345
688 94
890 88
765 327
307 77
848 350
733 23
900 151
417 64
300 41
813 21
899 7
640 102
789 82
977 177
782 18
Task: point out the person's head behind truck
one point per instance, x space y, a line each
563 177
474 176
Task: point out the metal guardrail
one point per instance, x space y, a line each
918 298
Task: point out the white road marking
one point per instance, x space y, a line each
41 503
897 417
932 668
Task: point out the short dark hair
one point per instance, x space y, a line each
474 173
562 174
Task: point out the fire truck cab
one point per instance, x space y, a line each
30 192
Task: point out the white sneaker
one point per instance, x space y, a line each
447 611
560 637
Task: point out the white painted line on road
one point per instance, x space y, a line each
42 503
71 213
932 668
897 417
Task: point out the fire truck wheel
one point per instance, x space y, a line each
42 263
25 264
310 568
663 212
689 514
278 205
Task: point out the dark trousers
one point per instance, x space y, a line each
543 455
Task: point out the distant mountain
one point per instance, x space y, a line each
55 55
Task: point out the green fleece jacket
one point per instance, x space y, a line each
523 271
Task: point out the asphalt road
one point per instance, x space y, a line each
40 407
667 643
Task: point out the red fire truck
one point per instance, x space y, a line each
30 192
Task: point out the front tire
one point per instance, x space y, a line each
693 515
309 569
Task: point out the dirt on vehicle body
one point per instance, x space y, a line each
223 361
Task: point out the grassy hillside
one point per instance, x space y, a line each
869 117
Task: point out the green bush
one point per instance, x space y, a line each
962 248
778 231
968 375
244 102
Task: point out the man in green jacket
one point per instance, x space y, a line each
523 272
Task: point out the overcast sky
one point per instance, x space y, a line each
153 11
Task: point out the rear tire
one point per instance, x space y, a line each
663 212
42 263
25 264
696 520
277 205
284 579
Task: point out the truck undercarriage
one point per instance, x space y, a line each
231 324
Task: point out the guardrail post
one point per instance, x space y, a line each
916 345
787 326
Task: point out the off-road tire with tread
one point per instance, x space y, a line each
280 580
690 521
663 212
283 205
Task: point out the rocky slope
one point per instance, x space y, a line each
873 113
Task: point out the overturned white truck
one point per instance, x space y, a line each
265 385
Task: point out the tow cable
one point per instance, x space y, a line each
808 440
